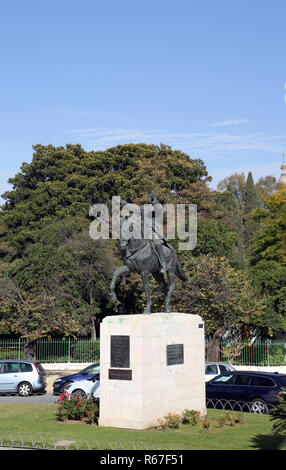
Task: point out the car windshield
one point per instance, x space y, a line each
93 369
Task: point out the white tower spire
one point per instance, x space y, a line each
282 179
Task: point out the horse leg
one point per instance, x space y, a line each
159 277
123 271
172 285
145 279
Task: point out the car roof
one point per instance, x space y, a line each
18 360
256 372
219 362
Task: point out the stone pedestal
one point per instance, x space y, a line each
150 365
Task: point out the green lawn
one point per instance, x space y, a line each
40 420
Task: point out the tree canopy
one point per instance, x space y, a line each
55 278
44 242
64 181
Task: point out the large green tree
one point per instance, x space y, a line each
51 263
214 237
58 286
65 181
31 314
233 218
44 241
251 202
237 182
266 186
269 242
222 295
269 278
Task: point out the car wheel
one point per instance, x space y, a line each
24 389
258 406
65 385
79 393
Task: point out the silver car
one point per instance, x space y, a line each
216 368
84 388
22 377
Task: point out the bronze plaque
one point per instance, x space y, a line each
175 354
120 374
119 351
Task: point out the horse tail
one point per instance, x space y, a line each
180 272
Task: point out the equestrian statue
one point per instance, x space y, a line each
144 256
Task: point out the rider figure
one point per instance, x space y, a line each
157 240
158 243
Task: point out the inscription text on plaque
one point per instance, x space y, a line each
175 354
119 351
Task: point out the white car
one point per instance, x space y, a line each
83 388
216 368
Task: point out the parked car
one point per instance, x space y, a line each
60 384
82 388
260 389
214 369
22 377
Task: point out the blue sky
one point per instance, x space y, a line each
204 76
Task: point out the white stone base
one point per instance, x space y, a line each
156 388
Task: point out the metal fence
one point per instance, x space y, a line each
257 407
58 350
257 353
54 350
22 440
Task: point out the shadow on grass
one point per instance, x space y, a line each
268 442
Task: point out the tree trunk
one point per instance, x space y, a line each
213 346
93 329
30 349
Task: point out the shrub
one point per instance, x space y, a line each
170 421
230 419
86 351
206 425
277 356
11 355
173 420
190 417
278 415
76 408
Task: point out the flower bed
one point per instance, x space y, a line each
77 408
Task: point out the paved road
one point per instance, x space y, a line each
37 398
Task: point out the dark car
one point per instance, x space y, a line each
60 384
260 389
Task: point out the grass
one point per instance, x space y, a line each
39 419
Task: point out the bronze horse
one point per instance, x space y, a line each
140 256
